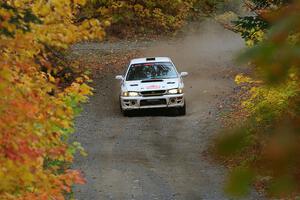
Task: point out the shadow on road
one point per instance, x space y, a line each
154 112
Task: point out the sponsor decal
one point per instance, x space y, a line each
153 87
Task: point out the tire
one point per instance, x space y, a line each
127 113
182 110
120 106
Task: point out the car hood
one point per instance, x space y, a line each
163 84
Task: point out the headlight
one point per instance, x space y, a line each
125 94
176 91
133 94
130 94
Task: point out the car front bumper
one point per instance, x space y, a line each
164 101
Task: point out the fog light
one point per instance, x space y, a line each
172 100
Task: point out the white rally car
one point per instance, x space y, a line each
152 83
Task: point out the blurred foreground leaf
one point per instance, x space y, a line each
270 102
232 142
239 182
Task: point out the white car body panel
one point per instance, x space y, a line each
138 86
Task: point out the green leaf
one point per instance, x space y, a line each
239 182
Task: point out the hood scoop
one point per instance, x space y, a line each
152 80
133 85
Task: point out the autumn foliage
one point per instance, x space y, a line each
151 16
265 147
37 106
41 91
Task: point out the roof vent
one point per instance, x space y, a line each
150 59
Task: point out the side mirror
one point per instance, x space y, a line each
119 77
183 74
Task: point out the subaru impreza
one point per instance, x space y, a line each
152 83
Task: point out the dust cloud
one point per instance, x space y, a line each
205 52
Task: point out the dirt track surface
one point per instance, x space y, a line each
156 155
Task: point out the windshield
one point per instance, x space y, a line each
145 71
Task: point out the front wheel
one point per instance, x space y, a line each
182 110
127 113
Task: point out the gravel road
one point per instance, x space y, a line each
155 155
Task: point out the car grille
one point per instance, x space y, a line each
153 102
153 93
